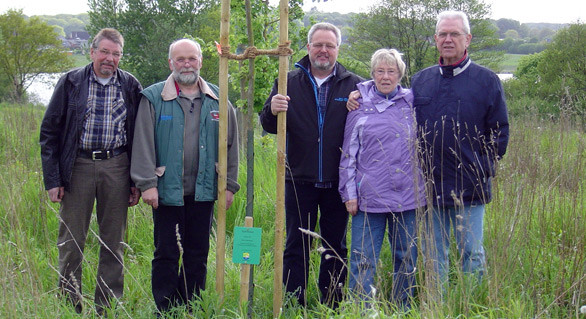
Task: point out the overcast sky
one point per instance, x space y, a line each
557 11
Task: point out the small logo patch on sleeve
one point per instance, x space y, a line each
215 115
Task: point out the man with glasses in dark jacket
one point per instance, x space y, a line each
316 115
86 135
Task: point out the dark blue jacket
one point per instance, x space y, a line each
313 148
63 122
464 130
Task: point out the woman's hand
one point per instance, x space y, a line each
352 206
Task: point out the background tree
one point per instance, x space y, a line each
513 34
409 25
28 47
555 77
563 68
149 27
505 25
67 23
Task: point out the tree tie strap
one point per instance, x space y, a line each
253 52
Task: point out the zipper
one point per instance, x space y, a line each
320 122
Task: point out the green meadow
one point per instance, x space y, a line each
510 62
535 239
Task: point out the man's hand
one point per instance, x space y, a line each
352 206
56 194
352 103
151 197
279 103
229 199
134 196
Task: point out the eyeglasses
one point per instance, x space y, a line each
115 54
443 35
328 46
183 61
382 72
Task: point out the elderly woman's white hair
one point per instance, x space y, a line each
390 57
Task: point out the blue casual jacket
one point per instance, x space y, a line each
464 130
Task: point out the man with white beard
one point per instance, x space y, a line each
176 149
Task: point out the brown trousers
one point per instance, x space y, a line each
107 183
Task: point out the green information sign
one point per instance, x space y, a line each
246 245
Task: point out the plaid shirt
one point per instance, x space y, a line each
322 94
105 116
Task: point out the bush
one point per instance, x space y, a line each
554 80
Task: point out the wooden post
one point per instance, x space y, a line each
251 119
281 143
245 270
222 153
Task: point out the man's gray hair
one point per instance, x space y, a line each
110 34
197 46
453 15
327 27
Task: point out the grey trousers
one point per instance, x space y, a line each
107 183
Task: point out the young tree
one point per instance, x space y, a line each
265 23
28 47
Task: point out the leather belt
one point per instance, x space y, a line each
99 155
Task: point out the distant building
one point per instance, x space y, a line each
77 40
82 35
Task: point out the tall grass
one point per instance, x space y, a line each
535 237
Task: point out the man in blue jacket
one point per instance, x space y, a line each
462 118
316 115
86 136
175 153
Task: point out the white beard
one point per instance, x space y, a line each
185 79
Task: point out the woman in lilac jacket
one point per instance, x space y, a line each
380 179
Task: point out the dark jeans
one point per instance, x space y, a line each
301 206
175 284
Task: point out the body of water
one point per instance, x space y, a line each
42 87
505 76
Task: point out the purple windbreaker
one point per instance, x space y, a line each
379 164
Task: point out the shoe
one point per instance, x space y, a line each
78 308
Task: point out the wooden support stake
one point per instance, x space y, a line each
245 270
222 153
281 143
251 119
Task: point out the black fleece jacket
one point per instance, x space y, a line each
313 152
63 122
